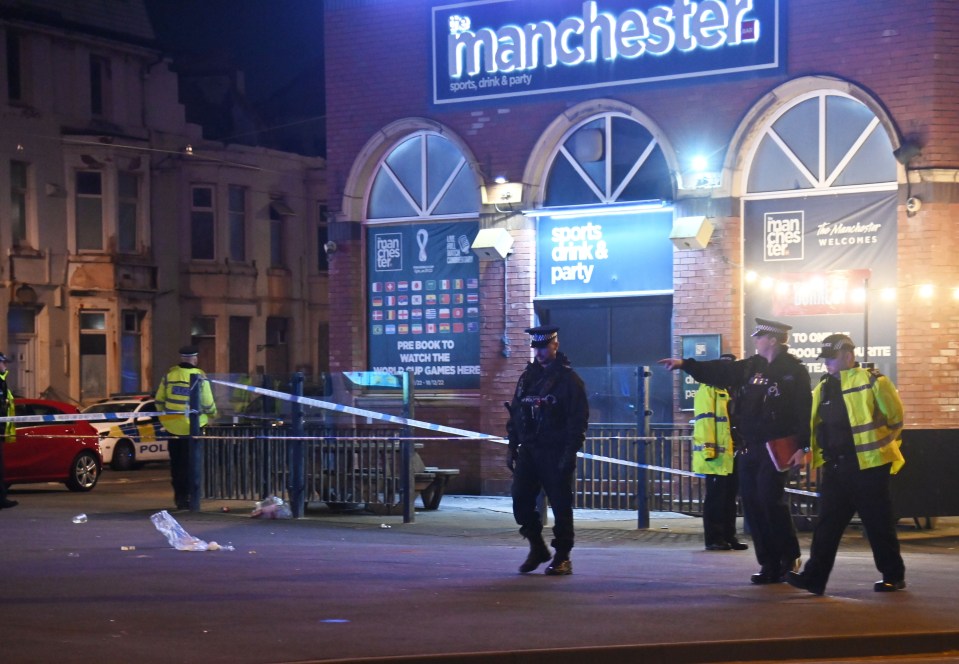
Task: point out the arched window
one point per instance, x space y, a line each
609 158
826 141
425 176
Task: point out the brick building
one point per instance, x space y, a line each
126 233
671 172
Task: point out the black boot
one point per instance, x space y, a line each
538 554
561 565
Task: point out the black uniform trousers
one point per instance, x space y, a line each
845 490
719 507
762 489
3 483
537 469
179 447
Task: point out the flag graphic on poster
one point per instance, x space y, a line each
414 270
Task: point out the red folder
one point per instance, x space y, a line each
781 450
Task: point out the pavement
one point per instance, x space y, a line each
360 587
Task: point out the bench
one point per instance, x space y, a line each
431 483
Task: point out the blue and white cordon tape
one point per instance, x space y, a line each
430 426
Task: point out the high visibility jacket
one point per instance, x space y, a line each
875 414
174 394
10 429
712 436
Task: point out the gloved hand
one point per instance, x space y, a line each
567 464
511 455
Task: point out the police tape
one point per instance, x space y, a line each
361 412
431 426
85 417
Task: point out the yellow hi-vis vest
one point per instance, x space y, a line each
174 394
10 429
875 414
712 437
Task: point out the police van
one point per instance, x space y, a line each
126 444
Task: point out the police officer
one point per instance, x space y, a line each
773 398
9 433
546 428
715 457
174 395
856 427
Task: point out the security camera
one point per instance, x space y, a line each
913 204
329 247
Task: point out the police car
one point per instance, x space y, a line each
141 438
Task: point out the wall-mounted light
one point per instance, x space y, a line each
503 193
493 244
329 247
691 232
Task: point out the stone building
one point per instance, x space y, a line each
125 233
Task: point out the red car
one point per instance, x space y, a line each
65 452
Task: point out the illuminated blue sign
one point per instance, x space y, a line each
604 254
503 48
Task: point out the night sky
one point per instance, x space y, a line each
271 41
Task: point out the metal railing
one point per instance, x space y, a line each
606 485
346 465
342 465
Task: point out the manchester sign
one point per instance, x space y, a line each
503 48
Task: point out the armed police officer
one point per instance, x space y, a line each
773 399
547 426
856 426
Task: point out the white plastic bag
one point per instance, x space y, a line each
272 507
180 539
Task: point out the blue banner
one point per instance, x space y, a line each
424 303
825 264
604 254
503 48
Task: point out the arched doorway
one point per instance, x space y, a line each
604 258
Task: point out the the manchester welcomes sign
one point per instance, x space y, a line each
503 48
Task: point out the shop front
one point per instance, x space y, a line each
660 173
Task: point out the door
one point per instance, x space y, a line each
22 378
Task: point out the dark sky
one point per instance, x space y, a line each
270 40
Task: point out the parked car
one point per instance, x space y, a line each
65 452
143 439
